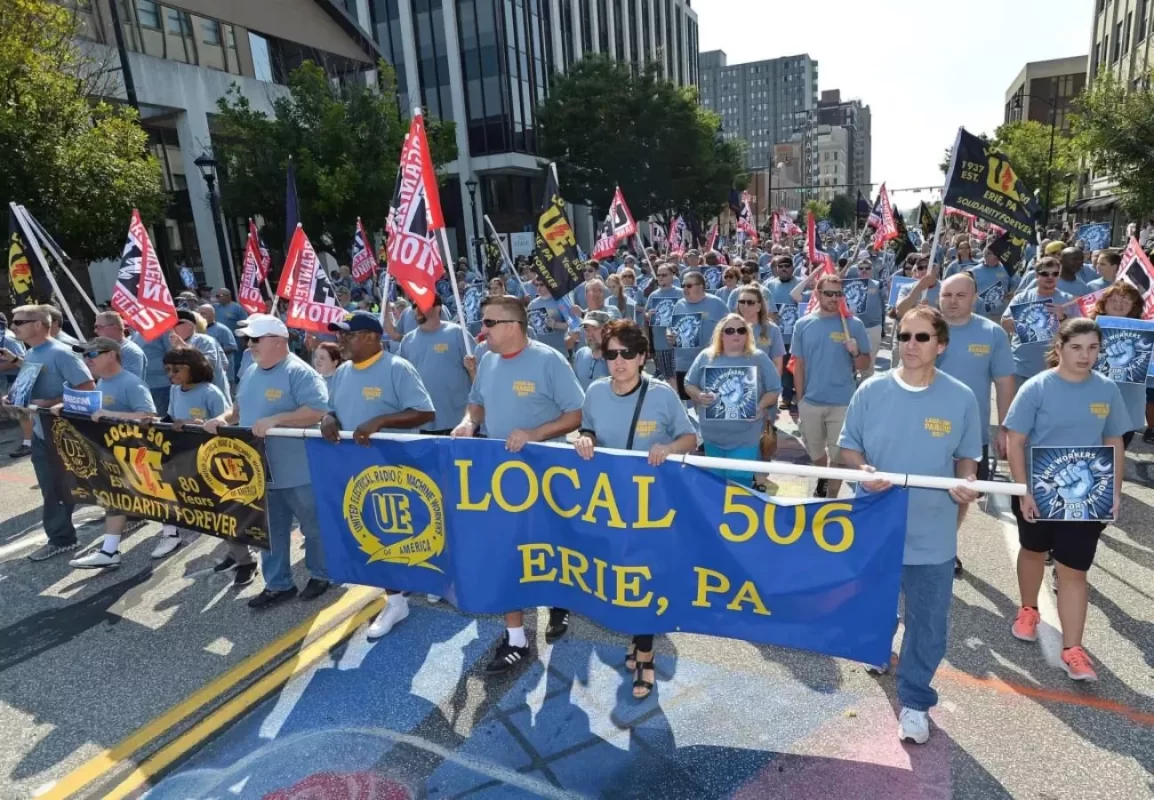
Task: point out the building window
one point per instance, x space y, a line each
211 31
1140 33
148 14
1126 33
261 62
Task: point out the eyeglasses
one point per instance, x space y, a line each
493 323
1047 274
693 285
91 354
611 355
749 302
830 293
16 323
921 337
735 331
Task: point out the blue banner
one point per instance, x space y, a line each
1096 235
1126 348
635 548
1075 484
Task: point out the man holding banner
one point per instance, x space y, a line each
1032 318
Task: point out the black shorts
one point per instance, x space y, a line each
1073 544
681 385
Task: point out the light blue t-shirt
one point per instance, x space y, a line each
439 357
779 294
223 336
216 356
154 375
61 366
201 401
712 311
874 313
923 433
768 339
957 266
543 314
290 385
408 321
929 296
663 418
994 286
630 310
829 372
229 315
738 396
1030 357
977 355
1054 412
385 384
660 305
132 358
525 391
125 392
587 368
16 347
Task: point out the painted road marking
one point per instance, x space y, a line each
240 704
107 760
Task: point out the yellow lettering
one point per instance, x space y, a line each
466 504
733 491
643 521
748 594
603 498
569 570
706 586
547 491
499 493
631 586
601 565
531 561
822 518
771 528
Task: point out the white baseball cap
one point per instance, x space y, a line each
258 325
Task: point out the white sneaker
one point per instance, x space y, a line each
433 599
396 611
166 544
878 669
913 726
96 560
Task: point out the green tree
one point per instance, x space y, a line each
842 210
606 127
79 167
1115 129
820 211
345 144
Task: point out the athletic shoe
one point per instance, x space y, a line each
1078 665
433 599
21 451
49 550
314 589
878 669
395 611
507 657
957 567
224 566
96 560
165 545
558 624
245 573
268 598
822 488
913 726
1025 625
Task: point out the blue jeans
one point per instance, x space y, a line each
786 379
748 453
57 514
160 398
276 562
928 590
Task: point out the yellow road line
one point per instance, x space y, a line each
238 705
105 761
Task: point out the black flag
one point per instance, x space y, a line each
984 183
555 258
863 207
903 245
1008 248
926 221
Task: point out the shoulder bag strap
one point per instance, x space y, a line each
637 411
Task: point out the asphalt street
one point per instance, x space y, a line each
157 678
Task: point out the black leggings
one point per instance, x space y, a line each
643 642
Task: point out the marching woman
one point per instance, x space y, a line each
767 336
732 404
730 279
933 428
630 411
326 358
1123 300
1067 405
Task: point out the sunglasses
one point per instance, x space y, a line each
735 331
829 293
920 338
16 323
748 303
91 354
611 355
693 285
1047 274
493 323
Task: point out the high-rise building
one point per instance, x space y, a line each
1044 91
833 161
487 64
854 117
759 102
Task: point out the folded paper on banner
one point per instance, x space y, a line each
635 548
190 479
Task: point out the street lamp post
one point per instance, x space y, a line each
207 166
471 185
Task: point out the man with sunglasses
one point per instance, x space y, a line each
695 300
1030 357
780 291
58 366
281 391
665 295
926 290
825 363
122 396
524 392
374 390
873 316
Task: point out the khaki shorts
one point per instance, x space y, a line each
820 428
875 337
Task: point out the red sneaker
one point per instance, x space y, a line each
1078 665
1025 625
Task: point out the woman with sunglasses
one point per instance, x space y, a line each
1123 300
733 384
766 335
964 258
1067 405
611 417
730 279
933 427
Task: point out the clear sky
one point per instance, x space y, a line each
919 87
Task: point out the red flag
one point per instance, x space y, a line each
249 295
788 226
141 295
364 263
314 303
1087 302
1137 271
605 246
620 217
711 240
264 260
775 227
887 227
815 256
745 219
676 239
414 218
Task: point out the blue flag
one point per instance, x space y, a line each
635 548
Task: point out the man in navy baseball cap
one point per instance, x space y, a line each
358 321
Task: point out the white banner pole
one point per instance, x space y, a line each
451 269
57 255
34 243
508 261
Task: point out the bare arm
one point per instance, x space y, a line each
861 362
565 424
1005 388
799 377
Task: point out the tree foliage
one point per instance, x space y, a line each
606 127
79 167
842 210
819 209
1115 129
345 144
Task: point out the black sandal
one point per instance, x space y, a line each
640 683
631 657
